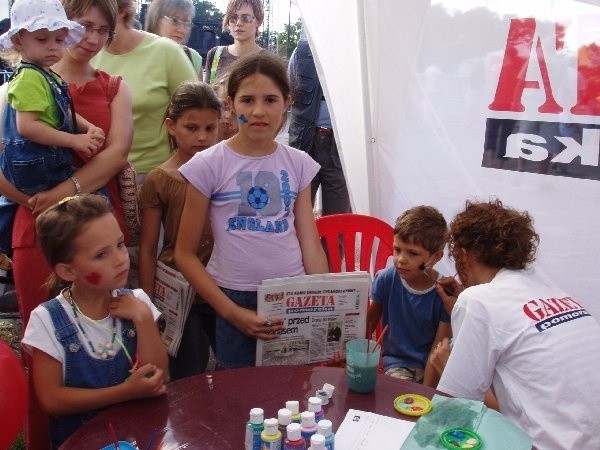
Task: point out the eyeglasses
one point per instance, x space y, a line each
178 22
102 31
246 18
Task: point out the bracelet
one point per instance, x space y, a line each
77 185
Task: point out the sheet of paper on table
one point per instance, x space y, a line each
362 430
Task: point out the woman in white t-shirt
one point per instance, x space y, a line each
537 347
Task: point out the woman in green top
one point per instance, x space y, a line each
153 67
174 19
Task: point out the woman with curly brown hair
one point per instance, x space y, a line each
533 344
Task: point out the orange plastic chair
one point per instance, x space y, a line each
369 238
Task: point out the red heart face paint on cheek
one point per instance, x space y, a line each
93 278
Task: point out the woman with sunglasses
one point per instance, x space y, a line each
242 19
173 19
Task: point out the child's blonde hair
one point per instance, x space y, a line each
58 227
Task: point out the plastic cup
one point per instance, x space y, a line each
362 365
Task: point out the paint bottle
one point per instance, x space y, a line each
284 417
322 394
329 388
294 407
325 428
270 437
254 427
317 442
308 426
294 439
314 405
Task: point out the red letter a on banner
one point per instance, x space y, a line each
511 82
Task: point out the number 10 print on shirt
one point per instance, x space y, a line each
261 200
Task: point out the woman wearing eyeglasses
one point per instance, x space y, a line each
242 19
153 67
173 19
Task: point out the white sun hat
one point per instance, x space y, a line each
33 15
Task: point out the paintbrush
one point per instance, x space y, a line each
380 338
423 267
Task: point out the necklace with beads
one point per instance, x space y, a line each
104 349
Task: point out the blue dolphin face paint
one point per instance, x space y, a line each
242 118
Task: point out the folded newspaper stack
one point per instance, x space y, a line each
320 314
173 297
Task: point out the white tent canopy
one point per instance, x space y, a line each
414 86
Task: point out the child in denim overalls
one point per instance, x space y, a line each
38 124
94 344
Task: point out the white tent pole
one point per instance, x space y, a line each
370 143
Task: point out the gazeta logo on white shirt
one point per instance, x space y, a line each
550 312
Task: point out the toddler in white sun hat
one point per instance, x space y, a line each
39 125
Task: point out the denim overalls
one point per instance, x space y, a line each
83 370
29 166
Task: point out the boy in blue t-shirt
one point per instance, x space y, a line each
404 295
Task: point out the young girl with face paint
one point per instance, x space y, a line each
257 194
94 344
192 121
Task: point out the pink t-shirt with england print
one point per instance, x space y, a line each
251 211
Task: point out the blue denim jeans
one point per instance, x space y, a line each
83 370
234 348
196 340
29 166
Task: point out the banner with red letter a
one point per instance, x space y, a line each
436 102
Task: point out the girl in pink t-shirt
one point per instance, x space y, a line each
257 193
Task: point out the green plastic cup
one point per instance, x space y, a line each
362 365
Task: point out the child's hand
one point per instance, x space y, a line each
40 202
126 306
97 133
251 324
146 381
89 143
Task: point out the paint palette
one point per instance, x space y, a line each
455 438
412 404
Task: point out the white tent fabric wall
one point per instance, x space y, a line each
432 71
335 31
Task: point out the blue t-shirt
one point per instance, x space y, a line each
412 316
